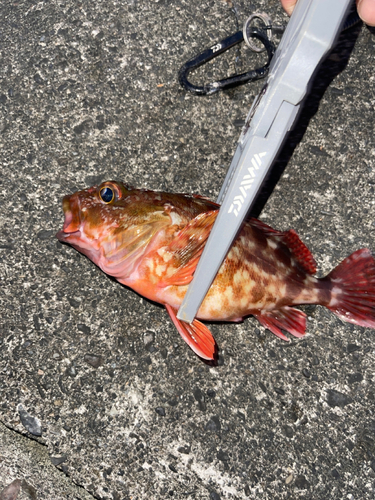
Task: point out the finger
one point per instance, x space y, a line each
366 11
288 5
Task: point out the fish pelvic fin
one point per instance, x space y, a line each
187 247
352 286
197 336
286 318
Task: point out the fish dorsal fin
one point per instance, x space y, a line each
197 336
204 198
265 228
187 247
290 238
300 251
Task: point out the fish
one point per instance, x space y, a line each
151 241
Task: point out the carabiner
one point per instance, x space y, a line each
216 50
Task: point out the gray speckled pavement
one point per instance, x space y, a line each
37 477
88 91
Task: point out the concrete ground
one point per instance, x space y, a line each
95 378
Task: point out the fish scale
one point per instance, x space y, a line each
152 241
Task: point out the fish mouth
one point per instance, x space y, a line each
63 236
72 222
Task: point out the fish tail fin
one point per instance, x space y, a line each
197 336
352 286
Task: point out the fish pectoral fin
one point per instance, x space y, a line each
197 336
182 276
286 318
187 247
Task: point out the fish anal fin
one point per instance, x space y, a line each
286 318
197 336
290 238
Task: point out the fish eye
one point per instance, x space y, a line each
106 194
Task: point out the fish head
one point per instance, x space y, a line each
92 216
112 224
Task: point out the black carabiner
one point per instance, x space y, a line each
216 50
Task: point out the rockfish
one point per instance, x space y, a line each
151 242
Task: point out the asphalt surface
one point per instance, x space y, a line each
125 410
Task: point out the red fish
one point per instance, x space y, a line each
151 242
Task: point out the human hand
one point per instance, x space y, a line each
366 9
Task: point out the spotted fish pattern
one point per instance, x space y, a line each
151 242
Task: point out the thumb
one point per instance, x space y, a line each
366 11
288 5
